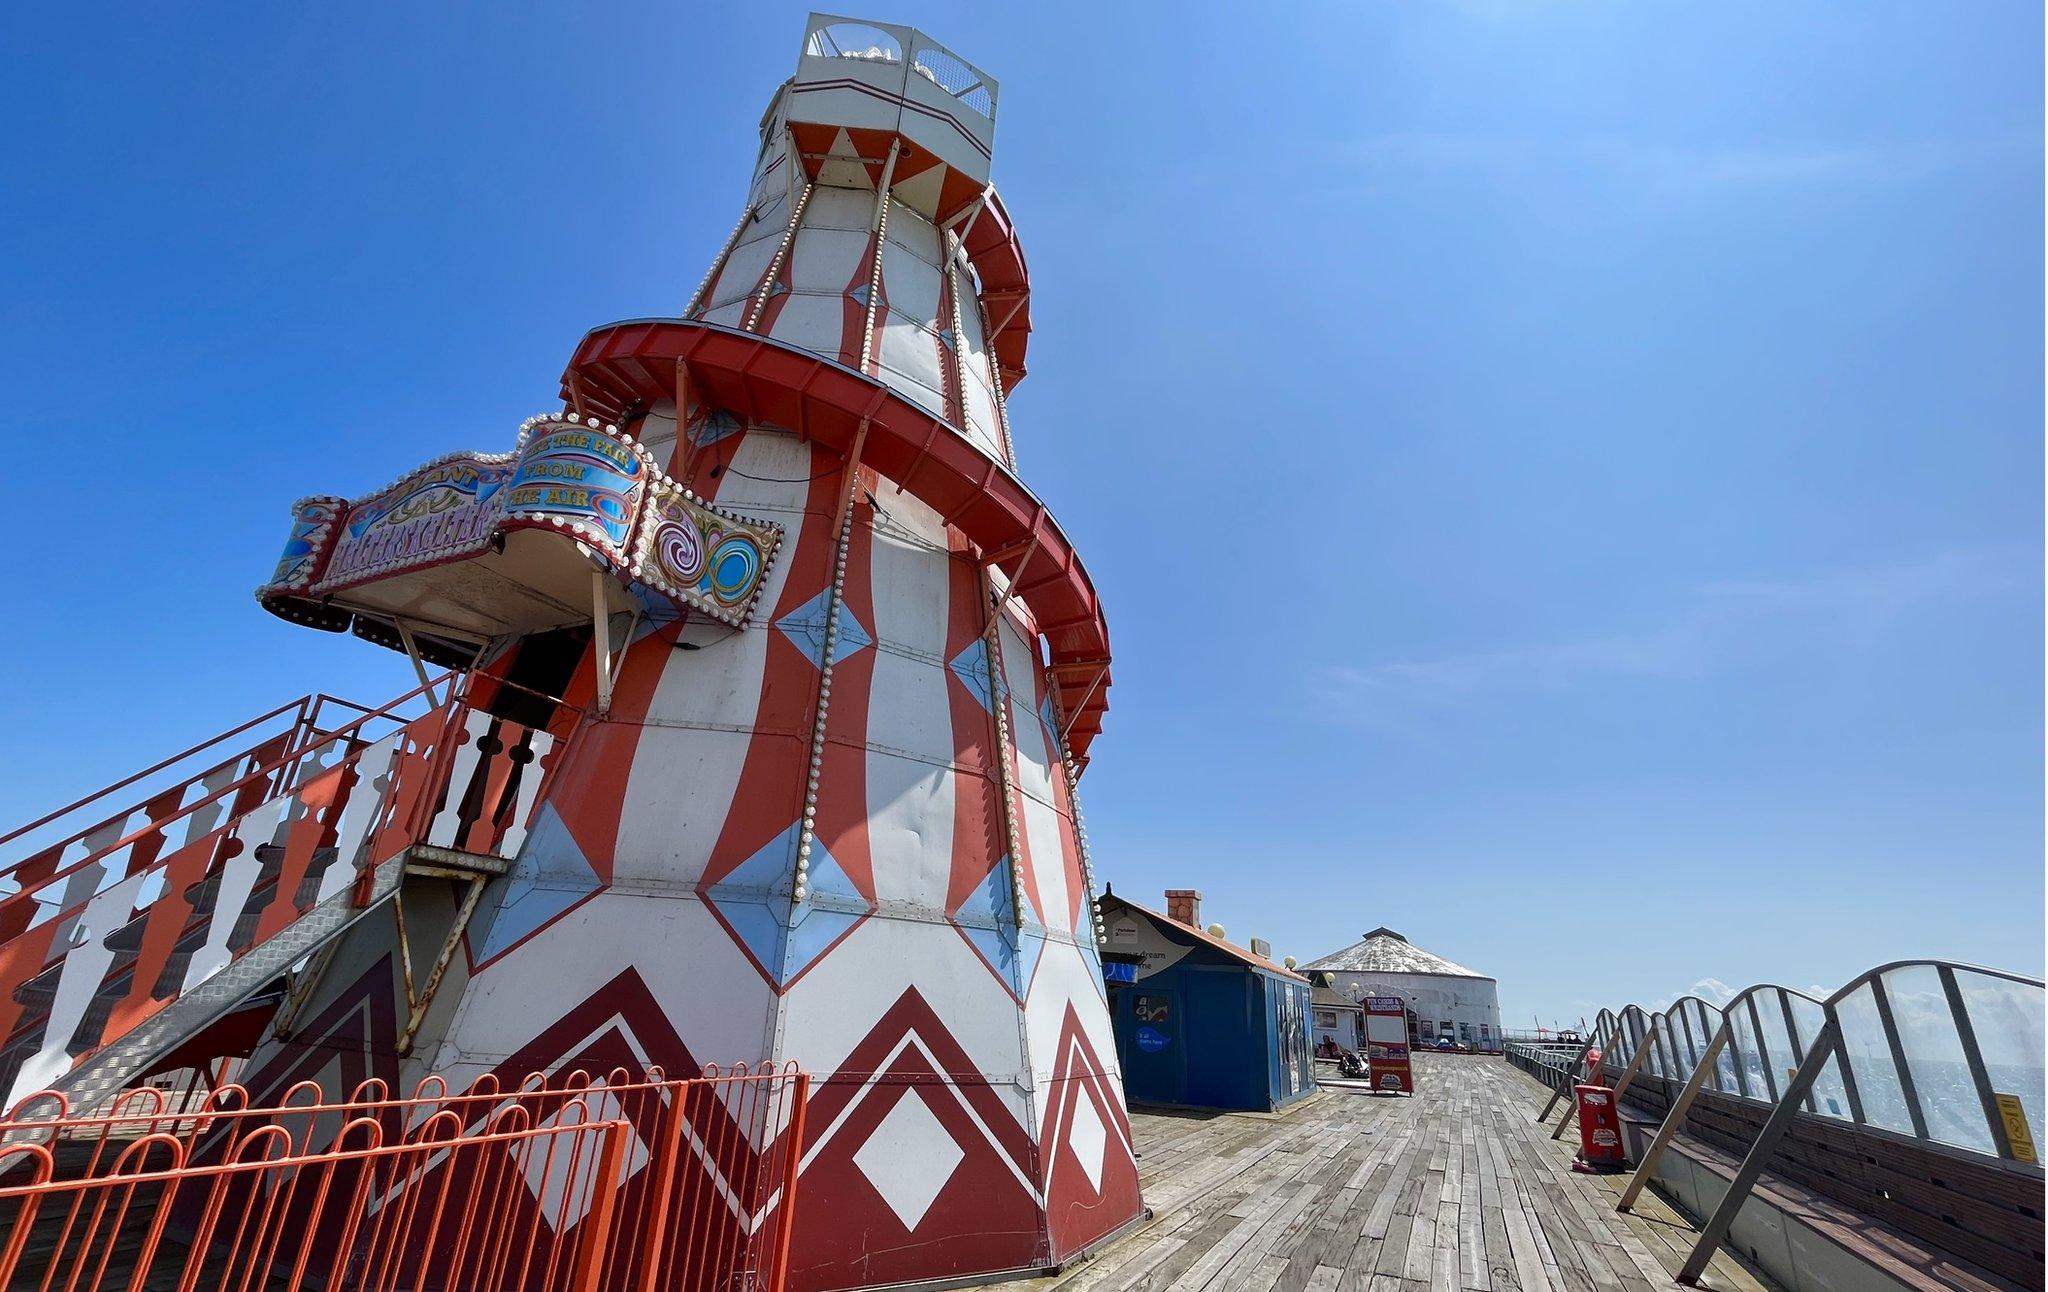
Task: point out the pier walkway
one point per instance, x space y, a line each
1457 1187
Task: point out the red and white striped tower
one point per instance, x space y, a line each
845 832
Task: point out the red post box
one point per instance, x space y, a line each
1599 1131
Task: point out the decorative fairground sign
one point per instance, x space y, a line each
1386 1045
598 486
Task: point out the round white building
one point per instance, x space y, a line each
1443 998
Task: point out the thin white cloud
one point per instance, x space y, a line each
1710 626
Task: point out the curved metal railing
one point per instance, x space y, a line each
1932 1051
1925 1048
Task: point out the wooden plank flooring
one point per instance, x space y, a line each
1454 1188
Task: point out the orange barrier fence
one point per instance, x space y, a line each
625 1182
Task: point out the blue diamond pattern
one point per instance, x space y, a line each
805 628
988 921
971 667
755 900
550 876
719 425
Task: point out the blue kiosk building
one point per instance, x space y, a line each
1199 1022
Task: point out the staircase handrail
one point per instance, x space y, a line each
303 704
291 755
305 722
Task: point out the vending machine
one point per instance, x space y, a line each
1386 1045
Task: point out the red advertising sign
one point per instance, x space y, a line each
1386 1045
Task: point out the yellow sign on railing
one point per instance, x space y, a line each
2017 1132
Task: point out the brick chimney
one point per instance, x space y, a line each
1184 906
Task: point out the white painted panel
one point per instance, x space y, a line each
827 260
828 1013
79 975
700 979
915 391
970 315
910 727
695 744
913 284
1063 976
912 349
462 771
365 804
914 232
237 881
981 418
814 322
1041 825
733 314
743 269
840 208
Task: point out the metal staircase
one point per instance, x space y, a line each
124 934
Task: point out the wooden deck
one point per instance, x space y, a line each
1454 1188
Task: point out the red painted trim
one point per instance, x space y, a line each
815 87
998 260
775 382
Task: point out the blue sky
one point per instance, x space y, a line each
1565 480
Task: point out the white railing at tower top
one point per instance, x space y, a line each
844 38
956 76
960 81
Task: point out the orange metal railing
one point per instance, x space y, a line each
153 900
626 1182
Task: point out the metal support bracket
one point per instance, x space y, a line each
1817 1056
1628 1074
608 664
1674 1116
418 1002
303 985
419 665
1578 1065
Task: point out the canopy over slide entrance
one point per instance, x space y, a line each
576 522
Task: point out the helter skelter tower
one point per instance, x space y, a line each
828 691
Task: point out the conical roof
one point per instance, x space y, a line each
1385 951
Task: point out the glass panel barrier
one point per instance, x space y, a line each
1926 1049
1749 1061
1783 1054
1870 1059
1725 1078
1942 1080
1677 1029
2007 1019
1635 1027
1830 1092
1705 1018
